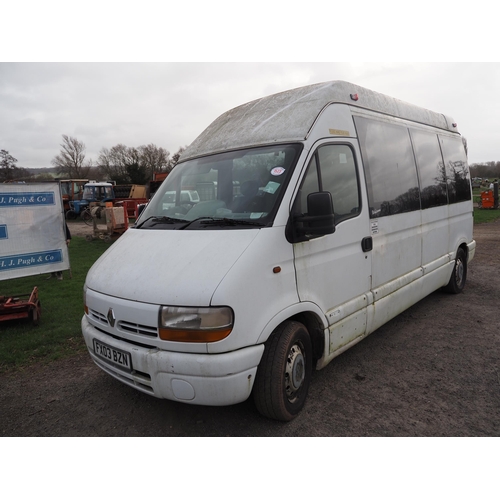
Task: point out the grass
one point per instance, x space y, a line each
486 215
483 215
58 334
476 194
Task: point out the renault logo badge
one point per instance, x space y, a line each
111 317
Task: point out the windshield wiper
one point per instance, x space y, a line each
222 221
160 220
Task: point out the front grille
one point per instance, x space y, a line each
116 337
138 329
139 380
125 326
97 316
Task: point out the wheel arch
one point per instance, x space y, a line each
465 248
311 317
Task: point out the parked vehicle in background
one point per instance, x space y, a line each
158 178
326 211
71 190
187 197
93 192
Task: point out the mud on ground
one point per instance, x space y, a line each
432 371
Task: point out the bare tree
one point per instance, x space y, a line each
117 163
175 159
8 169
71 160
134 165
153 159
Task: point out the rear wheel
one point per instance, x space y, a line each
284 373
459 274
87 217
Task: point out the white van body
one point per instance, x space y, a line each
251 289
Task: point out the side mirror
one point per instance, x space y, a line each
140 209
319 220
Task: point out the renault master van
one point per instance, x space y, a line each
320 214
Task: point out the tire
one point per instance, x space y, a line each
70 215
459 274
87 217
284 373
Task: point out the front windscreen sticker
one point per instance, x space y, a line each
271 187
277 171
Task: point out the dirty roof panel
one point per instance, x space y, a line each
289 116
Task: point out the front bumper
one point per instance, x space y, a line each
202 379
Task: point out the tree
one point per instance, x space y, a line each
153 159
486 170
71 160
8 169
175 159
129 165
115 163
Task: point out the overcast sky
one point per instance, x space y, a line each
169 104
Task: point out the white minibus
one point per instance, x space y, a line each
316 216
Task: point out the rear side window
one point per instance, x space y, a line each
390 169
457 171
432 172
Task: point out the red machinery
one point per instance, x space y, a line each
20 308
487 200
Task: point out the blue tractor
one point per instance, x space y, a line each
94 194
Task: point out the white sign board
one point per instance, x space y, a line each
32 230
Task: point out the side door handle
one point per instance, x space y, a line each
367 244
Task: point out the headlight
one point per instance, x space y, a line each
85 308
195 324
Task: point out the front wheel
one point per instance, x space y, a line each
459 274
284 372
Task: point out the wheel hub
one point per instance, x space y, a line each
459 272
295 371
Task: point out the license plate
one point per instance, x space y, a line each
115 356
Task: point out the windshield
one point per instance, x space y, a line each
235 189
97 193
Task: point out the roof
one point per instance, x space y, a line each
99 184
289 116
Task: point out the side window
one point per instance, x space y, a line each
332 169
339 176
431 169
310 184
457 171
391 173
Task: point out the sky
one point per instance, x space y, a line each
170 103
